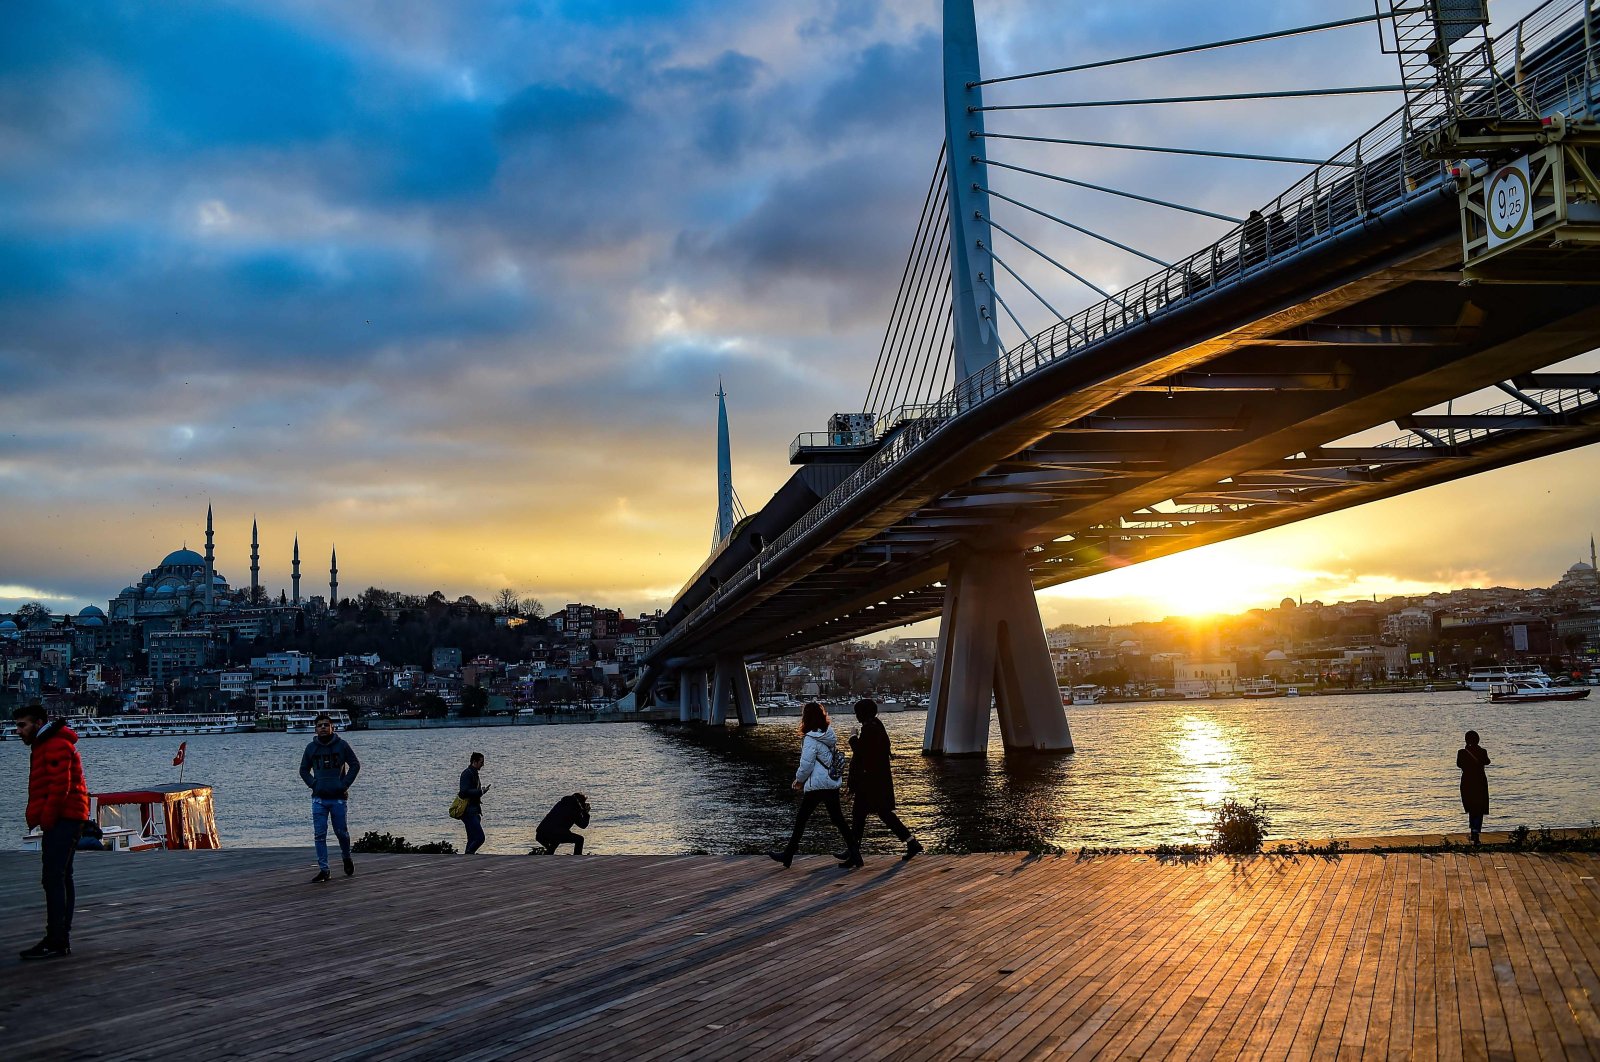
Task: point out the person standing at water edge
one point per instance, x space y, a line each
555 829
1474 783
871 784
329 767
818 784
58 803
472 792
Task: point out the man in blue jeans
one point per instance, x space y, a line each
328 767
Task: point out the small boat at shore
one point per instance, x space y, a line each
176 817
1532 691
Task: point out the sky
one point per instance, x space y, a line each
452 286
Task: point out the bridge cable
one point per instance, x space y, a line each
1115 191
1075 227
938 358
1027 337
932 257
1225 97
895 318
907 384
1191 48
929 263
1075 276
1247 156
1017 277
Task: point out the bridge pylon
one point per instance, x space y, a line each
992 648
730 691
692 702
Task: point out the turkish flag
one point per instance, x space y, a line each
178 759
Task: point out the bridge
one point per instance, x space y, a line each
1453 247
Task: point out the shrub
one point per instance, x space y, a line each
373 841
1238 829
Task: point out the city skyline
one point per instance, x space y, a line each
457 295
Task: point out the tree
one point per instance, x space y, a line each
533 608
506 602
474 699
32 614
433 706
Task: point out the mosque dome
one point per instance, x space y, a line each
1287 603
1276 655
128 591
7 625
180 558
165 588
92 610
1581 566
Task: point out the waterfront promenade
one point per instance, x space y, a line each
232 955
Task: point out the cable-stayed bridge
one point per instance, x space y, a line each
1448 249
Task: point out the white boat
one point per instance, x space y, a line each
306 722
1082 693
1292 691
1481 678
1257 689
1529 691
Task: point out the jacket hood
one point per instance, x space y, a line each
827 737
53 729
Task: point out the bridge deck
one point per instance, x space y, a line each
232 954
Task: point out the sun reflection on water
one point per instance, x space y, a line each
1206 765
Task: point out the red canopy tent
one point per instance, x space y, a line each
162 816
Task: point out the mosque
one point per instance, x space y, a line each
187 584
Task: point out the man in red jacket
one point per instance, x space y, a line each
58 803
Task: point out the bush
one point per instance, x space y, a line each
373 841
1237 829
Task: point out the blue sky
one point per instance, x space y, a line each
452 285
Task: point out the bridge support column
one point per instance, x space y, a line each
692 696
991 646
731 694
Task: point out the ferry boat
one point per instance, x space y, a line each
1481 678
1082 693
1530 691
306 722
107 726
1257 689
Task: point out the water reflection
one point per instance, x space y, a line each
1205 764
1143 774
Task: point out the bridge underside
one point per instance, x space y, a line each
1086 469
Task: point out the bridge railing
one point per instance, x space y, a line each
1380 169
1561 401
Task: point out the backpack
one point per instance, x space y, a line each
835 765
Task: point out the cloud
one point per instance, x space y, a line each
453 285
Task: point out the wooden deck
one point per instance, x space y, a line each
233 955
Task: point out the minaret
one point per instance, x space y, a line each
295 576
333 580
255 564
1594 565
211 558
724 526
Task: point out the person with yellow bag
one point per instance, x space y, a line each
468 804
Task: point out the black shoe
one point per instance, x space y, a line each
782 857
349 867
851 862
913 848
842 856
322 875
47 949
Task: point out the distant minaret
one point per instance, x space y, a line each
1594 565
255 564
724 473
333 579
295 576
211 558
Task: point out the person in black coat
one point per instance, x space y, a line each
471 790
1474 783
871 784
556 828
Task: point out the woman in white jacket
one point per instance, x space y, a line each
817 784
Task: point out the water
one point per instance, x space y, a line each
1143 774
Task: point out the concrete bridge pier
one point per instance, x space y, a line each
992 646
730 691
692 706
